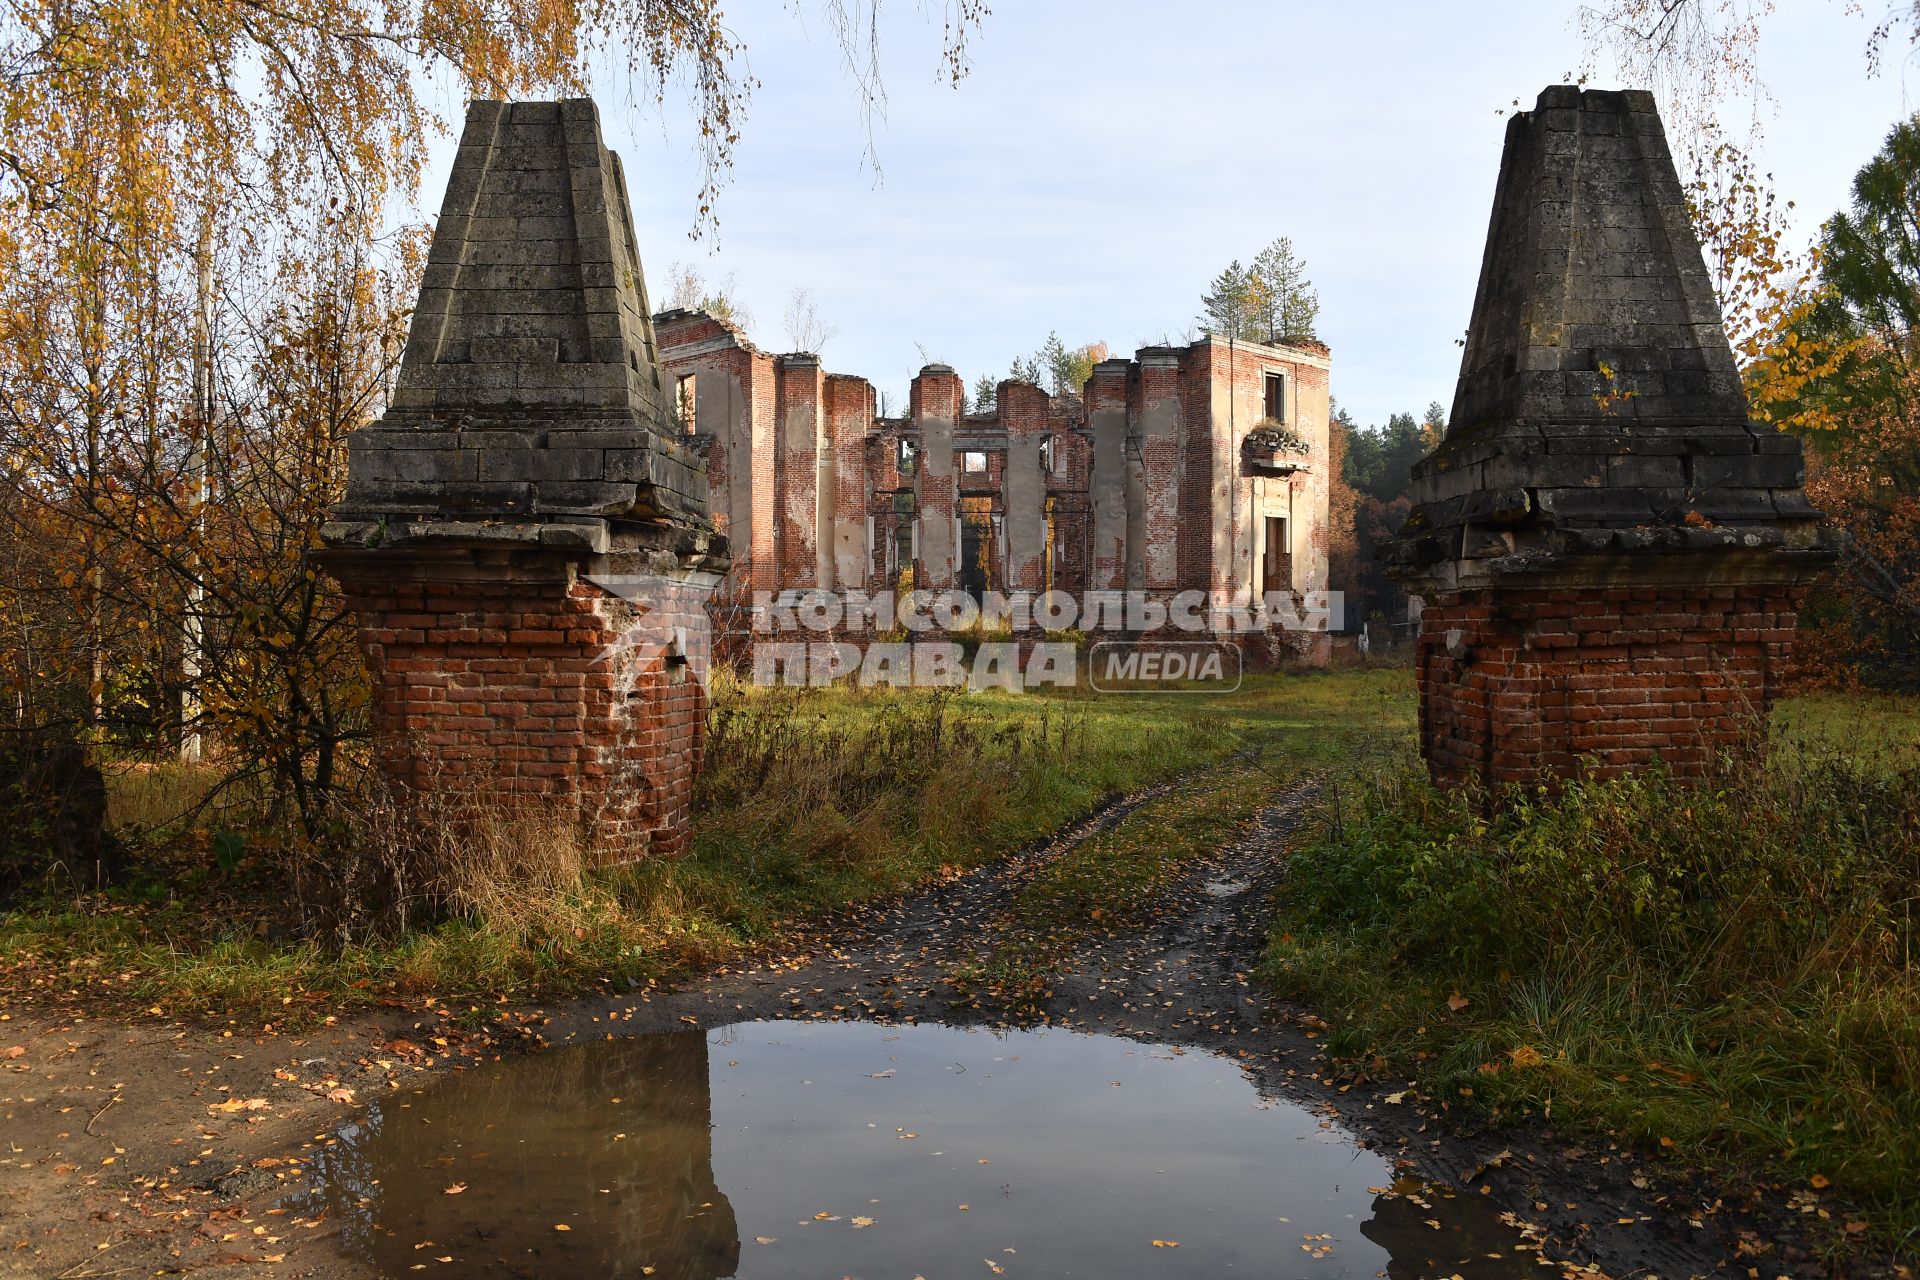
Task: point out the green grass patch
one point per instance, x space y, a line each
1728 968
811 799
1111 880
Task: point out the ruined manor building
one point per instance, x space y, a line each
1195 468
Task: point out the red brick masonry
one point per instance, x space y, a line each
526 690
1521 684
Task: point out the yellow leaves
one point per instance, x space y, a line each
1457 1002
1166 1244
1819 1182
1525 1056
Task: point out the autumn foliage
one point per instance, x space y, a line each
204 287
1838 367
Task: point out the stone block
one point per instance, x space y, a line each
593 497
500 348
1645 471
568 464
1750 471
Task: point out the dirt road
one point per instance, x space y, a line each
162 1147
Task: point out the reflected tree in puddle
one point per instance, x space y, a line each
611 1141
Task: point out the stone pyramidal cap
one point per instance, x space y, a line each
1599 411
1594 303
529 404
533 294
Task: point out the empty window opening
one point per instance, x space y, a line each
1276 404
685 392
1277 564
975 462
978 534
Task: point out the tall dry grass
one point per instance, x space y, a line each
1730 965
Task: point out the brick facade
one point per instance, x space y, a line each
1144 480
1596 681
515 678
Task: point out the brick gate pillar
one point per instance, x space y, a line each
1611 554
524 542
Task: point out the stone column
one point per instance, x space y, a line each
850 418
935 405
796 465
1107 420
1022 411
1611 553
524 539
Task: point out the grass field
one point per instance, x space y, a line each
811 799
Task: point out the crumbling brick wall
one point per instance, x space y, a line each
522 683
1149 485
1597 682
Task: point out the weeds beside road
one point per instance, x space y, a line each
1725 972
810 800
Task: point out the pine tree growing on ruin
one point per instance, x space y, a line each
1270 301
985 392
1225 309
1283 300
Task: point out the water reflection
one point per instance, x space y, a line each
612 1142
858 1150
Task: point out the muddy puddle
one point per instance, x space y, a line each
776 1149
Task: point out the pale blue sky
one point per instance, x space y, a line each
1104 160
